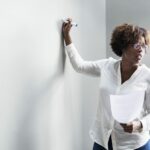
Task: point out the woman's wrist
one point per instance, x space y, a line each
67 39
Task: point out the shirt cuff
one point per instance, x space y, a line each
144 124
69 46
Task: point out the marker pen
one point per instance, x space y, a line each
72 23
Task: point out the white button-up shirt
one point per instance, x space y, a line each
110 83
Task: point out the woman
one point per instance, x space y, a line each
118 77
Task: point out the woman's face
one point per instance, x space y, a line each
134 53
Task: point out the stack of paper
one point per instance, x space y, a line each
127 107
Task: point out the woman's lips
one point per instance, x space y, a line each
139 56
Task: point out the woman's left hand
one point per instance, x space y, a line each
133 126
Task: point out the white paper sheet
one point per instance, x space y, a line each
127 107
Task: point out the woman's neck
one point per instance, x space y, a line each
127 69
127 66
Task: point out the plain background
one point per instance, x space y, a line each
44 103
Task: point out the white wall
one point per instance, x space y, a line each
93 47
126 11
44 103
37 101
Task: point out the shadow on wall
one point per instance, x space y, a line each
37 102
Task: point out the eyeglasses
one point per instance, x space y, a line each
138 45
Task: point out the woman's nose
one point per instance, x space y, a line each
139 50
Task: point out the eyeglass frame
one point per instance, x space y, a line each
144 46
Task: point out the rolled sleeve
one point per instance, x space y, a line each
145 123
146 119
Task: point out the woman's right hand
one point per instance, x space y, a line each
66 27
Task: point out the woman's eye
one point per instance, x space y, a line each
136 46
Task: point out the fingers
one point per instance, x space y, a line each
127 127
67 26
68 22
69 19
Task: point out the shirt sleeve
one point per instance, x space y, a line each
146 119
92 68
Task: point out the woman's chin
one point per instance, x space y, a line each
138 59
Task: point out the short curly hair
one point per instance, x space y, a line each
126 34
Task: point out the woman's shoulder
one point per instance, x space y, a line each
112 61
146 69
109 60
145 73
108 63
